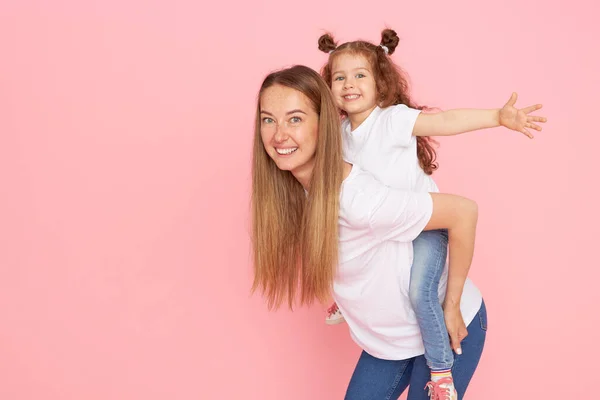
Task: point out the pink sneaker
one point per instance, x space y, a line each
334 315
442 389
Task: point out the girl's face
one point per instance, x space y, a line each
289 128
353 84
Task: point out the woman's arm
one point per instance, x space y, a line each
459 216
454 122
402 215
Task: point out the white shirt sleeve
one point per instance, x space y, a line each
398 214
399 124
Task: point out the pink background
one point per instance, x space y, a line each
126 131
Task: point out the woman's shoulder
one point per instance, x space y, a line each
357 180
360 192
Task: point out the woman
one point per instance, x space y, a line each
322 225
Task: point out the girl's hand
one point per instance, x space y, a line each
519 119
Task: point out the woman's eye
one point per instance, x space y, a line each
267 120
295 120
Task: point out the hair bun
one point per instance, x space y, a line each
326 43
389 39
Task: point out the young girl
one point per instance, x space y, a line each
319 223
386 134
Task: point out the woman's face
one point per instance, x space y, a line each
289 127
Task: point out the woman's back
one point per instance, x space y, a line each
376 227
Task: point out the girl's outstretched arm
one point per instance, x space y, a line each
457 121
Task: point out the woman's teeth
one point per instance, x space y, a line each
286 151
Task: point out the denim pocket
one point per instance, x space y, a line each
483 317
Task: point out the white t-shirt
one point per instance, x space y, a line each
377 226
385 146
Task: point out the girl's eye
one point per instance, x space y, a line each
360 75
339 78
295 120
267 120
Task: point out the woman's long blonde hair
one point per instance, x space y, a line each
295 234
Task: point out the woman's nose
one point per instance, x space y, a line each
281 134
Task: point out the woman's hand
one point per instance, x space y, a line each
519 119
456 327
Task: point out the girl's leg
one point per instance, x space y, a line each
464 365
376 379
430 249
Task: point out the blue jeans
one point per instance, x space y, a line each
430 249
376 379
